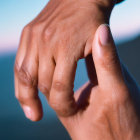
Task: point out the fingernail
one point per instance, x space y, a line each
105 34
27 111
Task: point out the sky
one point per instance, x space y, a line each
15 14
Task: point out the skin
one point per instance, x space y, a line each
106 109
49 49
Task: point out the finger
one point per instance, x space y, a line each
46 71
105 57
20 56
27 85
61 95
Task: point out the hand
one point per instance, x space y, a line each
105 109
49 49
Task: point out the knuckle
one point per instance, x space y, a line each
35 29
26 29
26 78
47 34
24 98
43 88
59 86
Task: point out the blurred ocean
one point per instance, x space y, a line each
13 124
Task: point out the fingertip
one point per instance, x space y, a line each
105 56
102 35
28 112
105 35
33 114
37 116
102 41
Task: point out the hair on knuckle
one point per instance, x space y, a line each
43 88
26 78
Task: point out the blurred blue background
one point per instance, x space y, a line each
14 15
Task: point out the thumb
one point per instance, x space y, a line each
105 57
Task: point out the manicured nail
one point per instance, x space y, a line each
105 34
27 111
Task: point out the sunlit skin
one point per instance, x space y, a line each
49 49
106 110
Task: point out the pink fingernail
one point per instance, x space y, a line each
27 111
105 34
